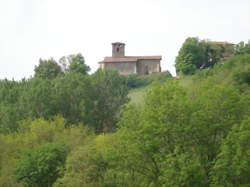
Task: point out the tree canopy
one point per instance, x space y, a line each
78 129
47 69
199 54
74 64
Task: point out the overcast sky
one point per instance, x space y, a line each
33 29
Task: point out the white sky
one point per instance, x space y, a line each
33 29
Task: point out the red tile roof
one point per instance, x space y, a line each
130 59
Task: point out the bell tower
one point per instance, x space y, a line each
118 50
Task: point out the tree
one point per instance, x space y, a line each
191 56
199 54
242 48
109 94
74 64
73 98
37 100
232 164
42 166
47 69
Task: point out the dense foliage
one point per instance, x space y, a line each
42 166
199 54
78 130
138 81
94 100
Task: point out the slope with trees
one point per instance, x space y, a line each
77 130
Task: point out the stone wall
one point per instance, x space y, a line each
124 68
146 66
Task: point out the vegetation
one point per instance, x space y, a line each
199 54
75 129
41 167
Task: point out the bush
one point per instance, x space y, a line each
42 166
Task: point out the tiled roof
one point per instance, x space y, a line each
146 57
130 58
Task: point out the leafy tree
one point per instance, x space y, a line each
191 56
10 113
183 169
74 64
199 54
37 100
84 167
42 166
47 69
242 48
109 94
177 135
73 98
232 165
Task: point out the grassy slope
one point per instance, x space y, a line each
137 95
221 74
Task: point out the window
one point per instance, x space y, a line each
117 49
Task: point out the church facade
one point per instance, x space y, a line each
127 65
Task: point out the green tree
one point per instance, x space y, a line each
242 48
37 100
232 165
199 54
109 94
178 134
73 98
47 69
10 113
42 166
74 64
191 56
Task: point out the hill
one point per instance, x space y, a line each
81 130
234 71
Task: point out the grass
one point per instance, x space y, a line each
137 95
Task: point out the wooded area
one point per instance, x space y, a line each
66 128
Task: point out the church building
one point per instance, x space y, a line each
127 65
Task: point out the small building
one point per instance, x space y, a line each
127 65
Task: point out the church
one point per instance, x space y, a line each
127 65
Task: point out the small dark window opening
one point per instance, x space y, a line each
117 49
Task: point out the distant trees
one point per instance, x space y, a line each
176 139
47 69
94 100
77 129
191 56
50 69
242 48
110 92
74 64
199 54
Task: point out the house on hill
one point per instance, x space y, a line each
223 50
127 65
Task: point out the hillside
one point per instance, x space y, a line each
81 130
233 71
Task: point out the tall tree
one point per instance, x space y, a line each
74 64
47 69
191 56
199 54
110 93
